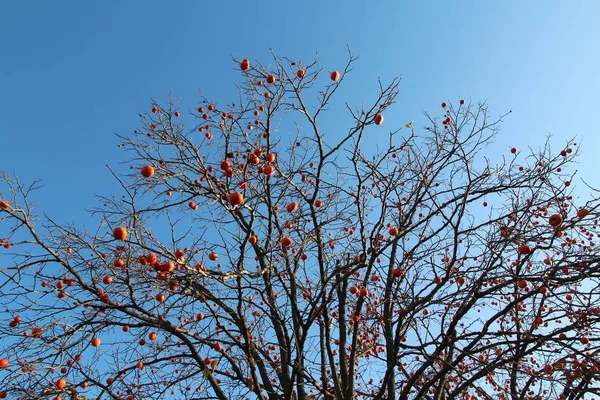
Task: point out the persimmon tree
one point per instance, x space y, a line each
253 254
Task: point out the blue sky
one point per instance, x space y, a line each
75 72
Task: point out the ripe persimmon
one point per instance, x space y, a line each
225 165
582 213
268 170
236 198
147 171
378 119
334 76
555 220
524 249
120 233
523 284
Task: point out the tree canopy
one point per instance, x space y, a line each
250 254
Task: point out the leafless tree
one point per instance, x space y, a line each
266 258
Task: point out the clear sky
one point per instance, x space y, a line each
72 73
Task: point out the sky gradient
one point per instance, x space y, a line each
76 72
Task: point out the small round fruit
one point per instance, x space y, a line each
120 233
245 65
236 198
286 242
555 220
378 119
292 207
335 76
96 342
582 213
225 165
61 383
524 249
268 170
523 284
300 73
147 171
